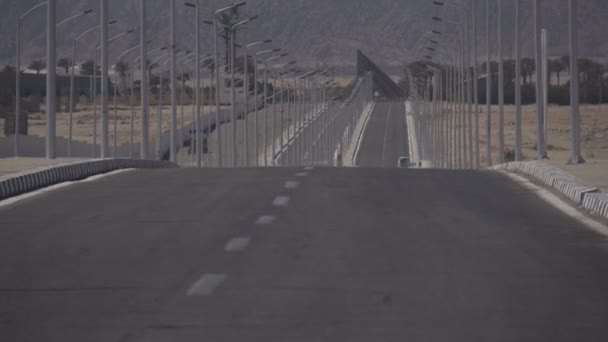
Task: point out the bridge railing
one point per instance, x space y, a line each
326 129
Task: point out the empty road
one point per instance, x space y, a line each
299 255
384 140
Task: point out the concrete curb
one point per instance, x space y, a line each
35 179
569 186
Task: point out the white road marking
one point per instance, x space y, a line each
292 185
281 201
15 199
302 174
206 285
266 219
361 134
237 244
559 203
309 168
388 117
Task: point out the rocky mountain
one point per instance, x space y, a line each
392 32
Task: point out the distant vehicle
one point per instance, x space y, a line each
376 94
403 163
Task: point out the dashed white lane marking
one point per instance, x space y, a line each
206 285
281 201
237 244
302 174
292 185
25 196
266 219
309 168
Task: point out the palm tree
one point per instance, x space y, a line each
38 66
566 62
528 67
227 19
9 68
122 68
65 63
509 70
556 66
590 71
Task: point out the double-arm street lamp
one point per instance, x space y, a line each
217 76
461 141
52 26
71 95
255 99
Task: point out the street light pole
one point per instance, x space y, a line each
476 86
518 134
145 119
576 157
246 85
51 74
217 76
173 133
488 85
18 76
501 91
541 152
104 80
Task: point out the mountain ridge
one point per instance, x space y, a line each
392 32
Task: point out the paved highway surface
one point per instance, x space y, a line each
385 137
299 255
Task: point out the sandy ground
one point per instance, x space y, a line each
594 132
12 165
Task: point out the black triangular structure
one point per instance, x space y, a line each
383 84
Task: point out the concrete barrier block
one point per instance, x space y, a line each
35 179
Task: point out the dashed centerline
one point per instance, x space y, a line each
302 174
266 219
292 185
206 285
281 201
237 244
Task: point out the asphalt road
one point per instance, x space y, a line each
342 255
385 137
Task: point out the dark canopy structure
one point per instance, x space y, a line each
383 84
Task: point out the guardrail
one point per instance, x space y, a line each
35 179
583 195
327 132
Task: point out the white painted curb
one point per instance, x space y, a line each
583 195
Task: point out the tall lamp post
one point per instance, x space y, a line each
197 80
265 131
246 85
233 29
470 86
18 76
518 134
576 157
255 100
51 97
217 76
71 95
541 151
461 151
143 57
